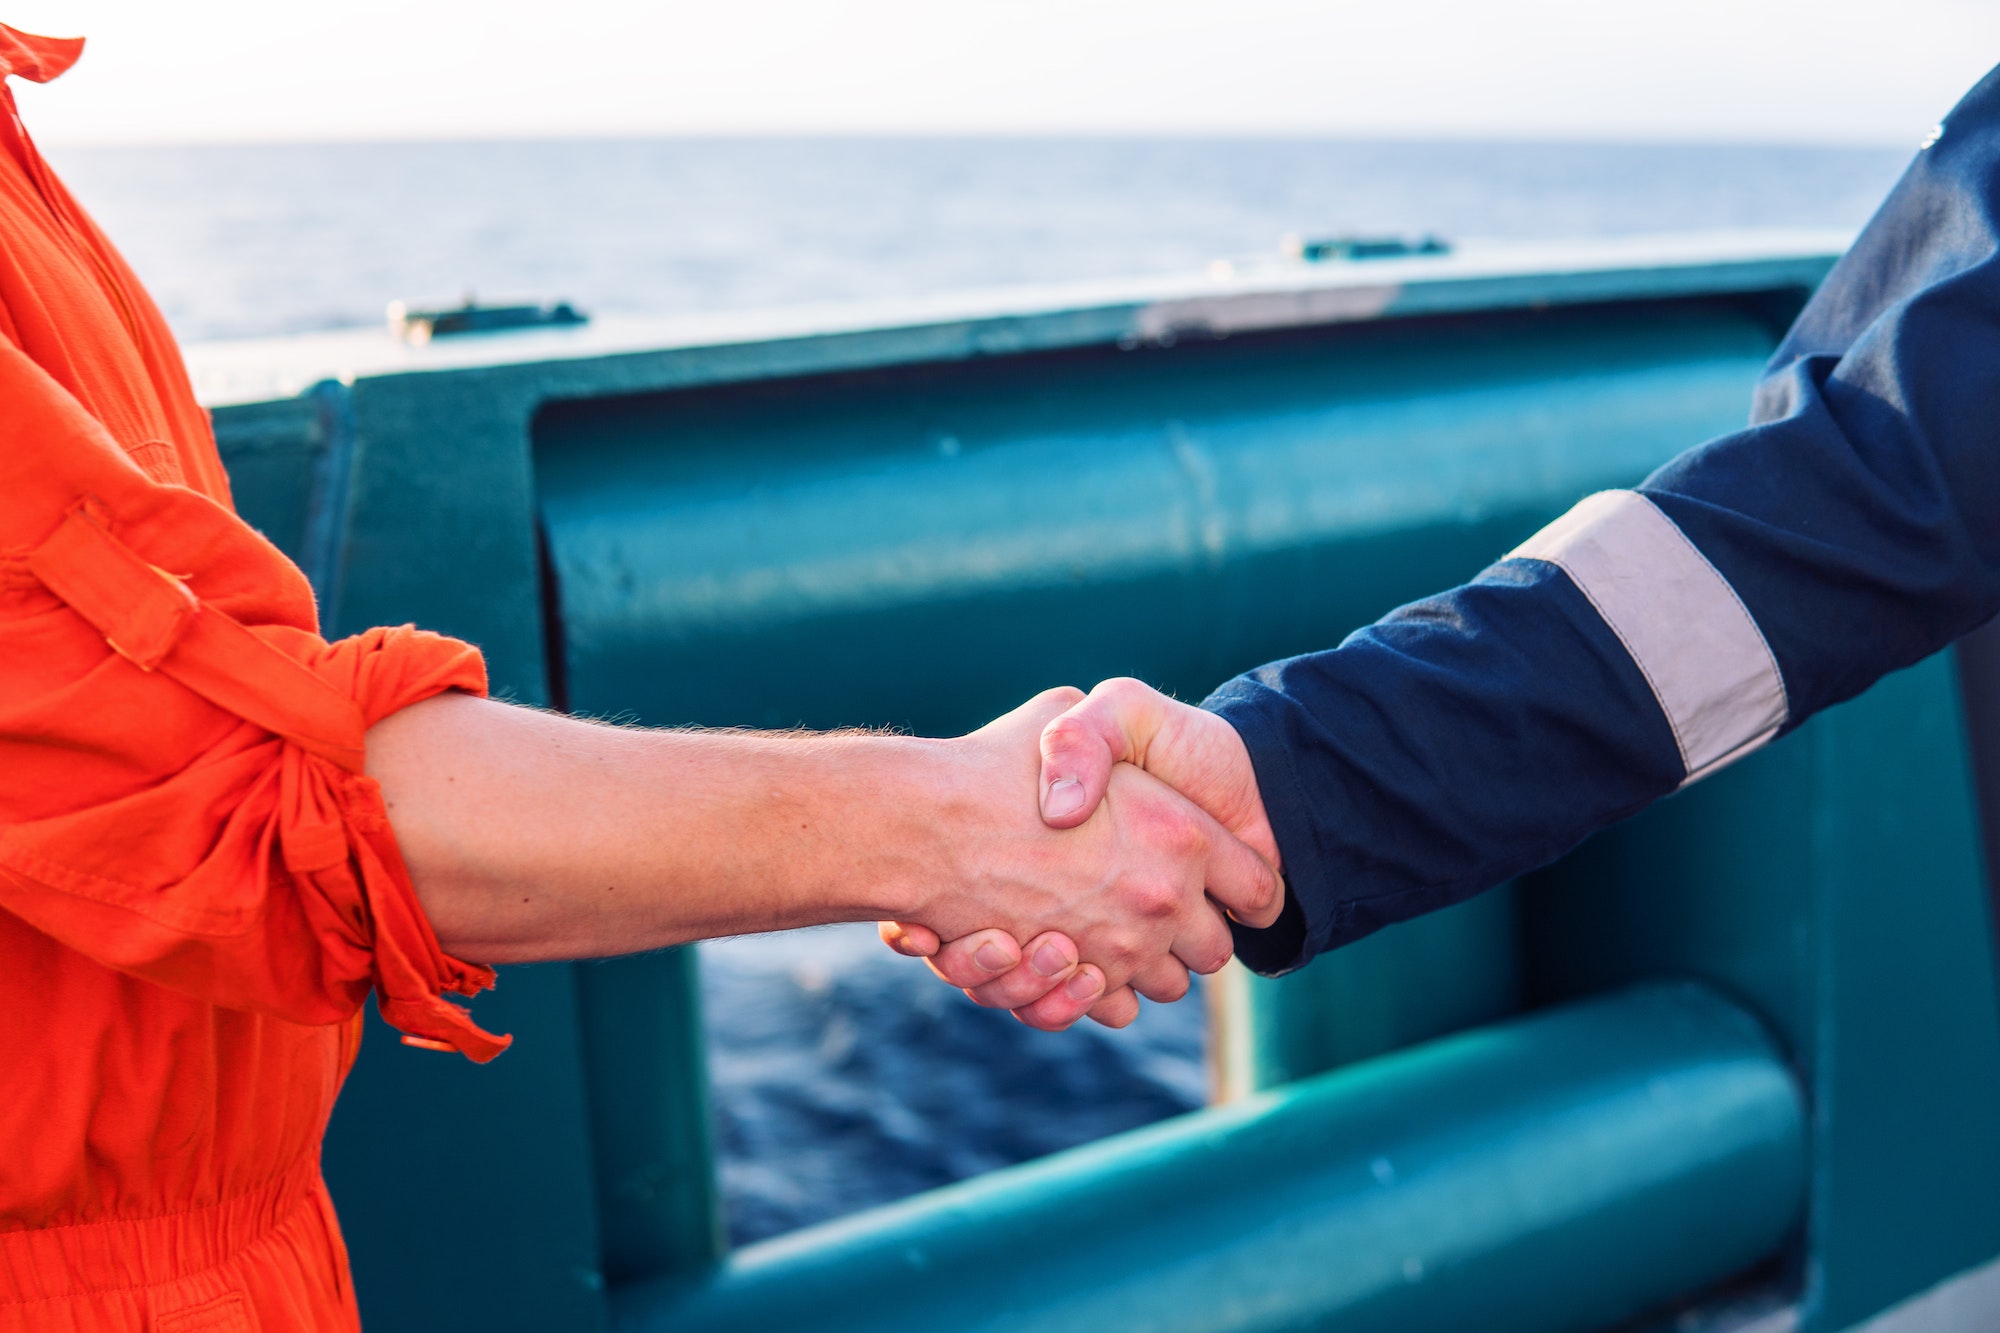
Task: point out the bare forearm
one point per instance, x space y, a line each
533 836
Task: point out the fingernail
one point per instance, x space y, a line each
1065 797
991 957
1084 986
1049 960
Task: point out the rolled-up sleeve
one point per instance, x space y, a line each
181 794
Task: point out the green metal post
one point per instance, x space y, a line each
644 1059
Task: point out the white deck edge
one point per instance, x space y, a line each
1261 295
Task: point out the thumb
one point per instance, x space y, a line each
912 941
1114 723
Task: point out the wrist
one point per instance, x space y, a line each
956 831
909 790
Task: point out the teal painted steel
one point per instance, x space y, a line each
446 1174
1834 882
1416 980
271 450
439 530
1560 1172
918 525
938 541
649 1123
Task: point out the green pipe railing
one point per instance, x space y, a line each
1560 1172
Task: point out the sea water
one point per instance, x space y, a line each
843 1075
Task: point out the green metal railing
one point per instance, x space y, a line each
1566 1171
918 523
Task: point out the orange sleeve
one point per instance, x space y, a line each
180 788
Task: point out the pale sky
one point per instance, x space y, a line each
1821 71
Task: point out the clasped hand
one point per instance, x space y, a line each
1163 832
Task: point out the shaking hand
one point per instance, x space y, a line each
1100 747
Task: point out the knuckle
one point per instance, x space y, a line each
1171 827
1069 696
1122 690
1184 836
1068 732
1123 959
1153 898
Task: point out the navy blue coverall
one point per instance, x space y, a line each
1651 636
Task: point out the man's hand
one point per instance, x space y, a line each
1190 749
1137 884
1121 722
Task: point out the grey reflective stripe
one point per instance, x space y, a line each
1685 627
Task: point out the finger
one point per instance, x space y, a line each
1162 981
1203 943
1115 722
976 959
1242 881
1046 963
1068 1002
1116 1010
1230 873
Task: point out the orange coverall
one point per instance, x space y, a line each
198 886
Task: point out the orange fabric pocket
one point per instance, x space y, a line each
227 1313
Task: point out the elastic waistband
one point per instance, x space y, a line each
53 1262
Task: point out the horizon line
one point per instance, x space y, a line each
725 135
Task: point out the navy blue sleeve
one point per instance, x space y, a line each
1859 516
1478 734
